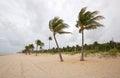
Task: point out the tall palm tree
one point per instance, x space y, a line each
38 43
57 25
50 38
87 20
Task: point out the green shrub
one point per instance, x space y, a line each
87 52
113 52
70 53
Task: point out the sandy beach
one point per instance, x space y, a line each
49 66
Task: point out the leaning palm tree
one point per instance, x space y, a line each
57 25
50 38
38 42
87 20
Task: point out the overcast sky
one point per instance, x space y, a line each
24 21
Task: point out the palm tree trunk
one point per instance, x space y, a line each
82 50
29 52
61 59
26 52
36 50
49 44
32 50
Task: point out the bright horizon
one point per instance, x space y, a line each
24 21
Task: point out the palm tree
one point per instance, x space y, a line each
50 38
31 46
87 20
26 49
41 45
38 42
57 25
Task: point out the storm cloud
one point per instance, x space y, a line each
24 21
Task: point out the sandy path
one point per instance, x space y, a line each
48 66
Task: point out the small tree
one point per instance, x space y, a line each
31 46
41 45
50 39
38 43
26 49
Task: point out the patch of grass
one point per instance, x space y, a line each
113 52
88 52
70 53
110 53
53 53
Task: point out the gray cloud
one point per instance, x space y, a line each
24 21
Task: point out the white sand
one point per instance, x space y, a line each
49 66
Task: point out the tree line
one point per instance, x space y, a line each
93 48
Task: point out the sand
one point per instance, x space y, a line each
49 66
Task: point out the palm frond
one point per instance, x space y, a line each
94 13
60 26
42 44
98 18
58 21
54 22
93 26
78 24
87 14
38 42
64 32
88 20
96 23
82 11
55 19
50 25
57 25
